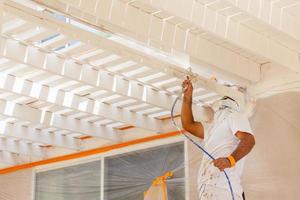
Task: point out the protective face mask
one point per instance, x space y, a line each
216 105
225 104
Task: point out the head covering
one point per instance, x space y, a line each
226 103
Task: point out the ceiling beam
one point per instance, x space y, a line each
82 104
82 73
127 51
235 26
270 84
59 66
162 32
217 17
9 158
278 14
48 119
21 147
12 159
40 136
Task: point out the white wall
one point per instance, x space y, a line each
272 169
17 185
195 157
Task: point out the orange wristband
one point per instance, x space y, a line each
231 160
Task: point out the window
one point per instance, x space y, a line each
128 176
79 182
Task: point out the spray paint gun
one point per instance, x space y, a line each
190 77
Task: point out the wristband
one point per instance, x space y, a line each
231 160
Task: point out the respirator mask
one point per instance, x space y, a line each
226 103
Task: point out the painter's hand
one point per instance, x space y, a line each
188 88
221 163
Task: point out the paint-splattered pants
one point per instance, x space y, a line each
210 192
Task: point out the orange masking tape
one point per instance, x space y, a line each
88 152
161 180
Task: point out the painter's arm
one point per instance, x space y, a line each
187 119
246 144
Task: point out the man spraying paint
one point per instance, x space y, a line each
228 137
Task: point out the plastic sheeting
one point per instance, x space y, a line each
126 176
129 175
79 182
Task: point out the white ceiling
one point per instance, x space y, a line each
75 73
66 89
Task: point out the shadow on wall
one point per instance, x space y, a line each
272 169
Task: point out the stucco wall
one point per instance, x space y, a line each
16 186
272 169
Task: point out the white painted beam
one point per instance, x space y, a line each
48 119
282 15
21 147
82 104
87 75
39 136
16 158
142 58
82 73
270 84
158 29
218 17
57 65
234 25
8 158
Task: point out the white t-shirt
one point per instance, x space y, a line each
220 141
